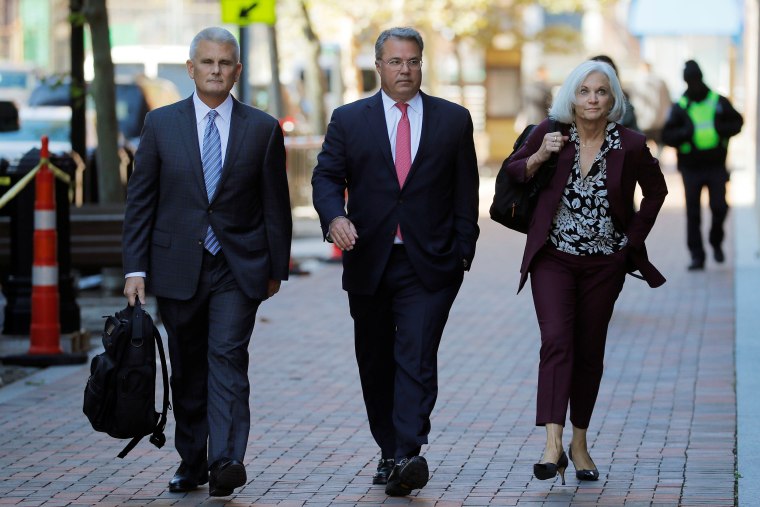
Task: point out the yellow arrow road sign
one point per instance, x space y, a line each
245 12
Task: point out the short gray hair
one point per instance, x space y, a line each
218 35
563 107
406 33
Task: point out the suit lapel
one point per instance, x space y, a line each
189 134
379 129
615 161
238 128
430 125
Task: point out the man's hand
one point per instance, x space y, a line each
134 286
273 288
343 233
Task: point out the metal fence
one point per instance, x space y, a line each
301 152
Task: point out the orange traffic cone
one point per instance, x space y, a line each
336 254
45 328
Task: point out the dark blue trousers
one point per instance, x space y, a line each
208 347
397 333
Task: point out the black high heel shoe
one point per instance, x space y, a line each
549 470
585 475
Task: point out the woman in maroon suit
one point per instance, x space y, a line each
584 237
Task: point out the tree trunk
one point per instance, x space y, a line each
314 79
460 73
110 189
277 107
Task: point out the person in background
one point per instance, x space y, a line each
208 226
629 117
652 100
699 126
408 233
585 235
536 100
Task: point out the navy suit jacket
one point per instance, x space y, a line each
168 210
437 208
631 165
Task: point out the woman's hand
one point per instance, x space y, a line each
552 143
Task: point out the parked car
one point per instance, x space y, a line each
133 101
33 123
16 82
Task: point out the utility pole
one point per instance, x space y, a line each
78 124
243 91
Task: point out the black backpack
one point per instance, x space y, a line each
513 203
119 398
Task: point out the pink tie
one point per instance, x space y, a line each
403 150
403 145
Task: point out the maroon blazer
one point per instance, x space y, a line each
625 168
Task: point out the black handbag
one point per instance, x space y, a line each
514 202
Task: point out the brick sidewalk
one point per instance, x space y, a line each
663 432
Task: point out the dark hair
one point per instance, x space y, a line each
406 33
691 71
606 59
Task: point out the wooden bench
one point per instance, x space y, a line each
95 237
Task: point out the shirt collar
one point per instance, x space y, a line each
415 103
201 109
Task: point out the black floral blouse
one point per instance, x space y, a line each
583 224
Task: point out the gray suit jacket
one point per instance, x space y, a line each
168 211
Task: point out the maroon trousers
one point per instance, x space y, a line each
574 297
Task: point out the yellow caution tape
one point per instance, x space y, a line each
23 182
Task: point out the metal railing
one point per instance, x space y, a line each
301 153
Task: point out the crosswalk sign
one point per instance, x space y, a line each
245 12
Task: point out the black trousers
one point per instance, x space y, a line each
397 334
694 180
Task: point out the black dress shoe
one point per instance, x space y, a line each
719 255
186 479
384 469
224 476
696 265
410 473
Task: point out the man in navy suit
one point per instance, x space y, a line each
208 225
407 232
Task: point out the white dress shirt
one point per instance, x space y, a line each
393 115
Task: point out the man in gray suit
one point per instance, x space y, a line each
208 226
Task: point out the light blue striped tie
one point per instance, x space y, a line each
212 170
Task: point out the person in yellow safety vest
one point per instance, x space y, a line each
699 126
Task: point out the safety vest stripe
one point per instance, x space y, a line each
44 275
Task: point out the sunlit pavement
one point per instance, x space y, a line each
663 433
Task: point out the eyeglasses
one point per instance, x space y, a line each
397 63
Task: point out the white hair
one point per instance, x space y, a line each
218 35
563 107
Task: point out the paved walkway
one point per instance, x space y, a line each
663 433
